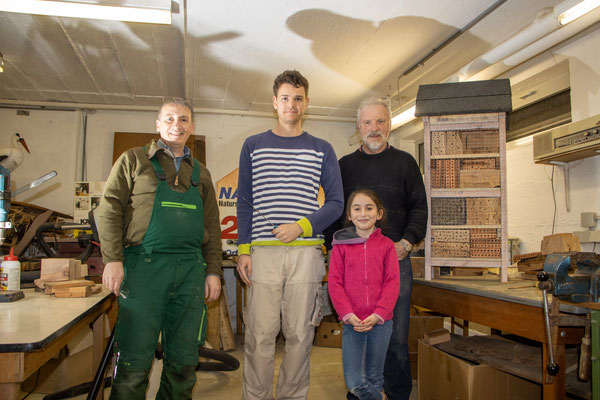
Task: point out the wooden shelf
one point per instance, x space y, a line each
478 214
466 262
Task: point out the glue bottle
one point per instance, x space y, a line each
10 276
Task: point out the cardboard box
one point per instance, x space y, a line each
419 326
443 376
329 333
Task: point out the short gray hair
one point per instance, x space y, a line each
373 101
177 101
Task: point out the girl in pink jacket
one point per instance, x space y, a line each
364 283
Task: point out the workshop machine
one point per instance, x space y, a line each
574 277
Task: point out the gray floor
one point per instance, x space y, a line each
326 378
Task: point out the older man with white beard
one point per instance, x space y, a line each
395 176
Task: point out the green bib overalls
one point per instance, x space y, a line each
164 289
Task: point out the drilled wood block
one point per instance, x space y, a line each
486 253
479 163
450 249
438 143
448 211
450 235
483 211
451 170
485 233
454 143
480 178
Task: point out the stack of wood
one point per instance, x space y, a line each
530 264
63 277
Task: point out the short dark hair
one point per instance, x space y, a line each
373 196
292 77
178 101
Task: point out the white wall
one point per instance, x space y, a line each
54 138
530 196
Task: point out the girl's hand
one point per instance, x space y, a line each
354 321
371 321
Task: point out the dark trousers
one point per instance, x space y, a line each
396 374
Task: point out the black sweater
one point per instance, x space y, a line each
395 176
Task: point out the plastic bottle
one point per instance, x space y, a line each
11 272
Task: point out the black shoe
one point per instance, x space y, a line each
350 396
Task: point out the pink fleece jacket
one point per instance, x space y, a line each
364 275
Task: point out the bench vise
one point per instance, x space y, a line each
573 277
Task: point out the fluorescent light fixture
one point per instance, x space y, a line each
1 63
404 117
89 10
570 10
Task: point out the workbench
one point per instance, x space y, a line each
35 328
513 307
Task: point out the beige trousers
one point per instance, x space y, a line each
284 294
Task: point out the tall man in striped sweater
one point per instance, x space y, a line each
280 259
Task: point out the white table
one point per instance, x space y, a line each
35 328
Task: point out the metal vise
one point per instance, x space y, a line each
572 277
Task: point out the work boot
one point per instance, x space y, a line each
129 384
176 381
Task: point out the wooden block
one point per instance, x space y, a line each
52 286
531 264
212 324
560 243
419 326
478 163
479 178
57 268
454 143
450 235
438 336
450 249
483 211
527 255
73 291
418 267
467 271
485 233
438 143
225 329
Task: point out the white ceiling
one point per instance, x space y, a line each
223 55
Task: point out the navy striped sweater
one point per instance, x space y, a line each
281 176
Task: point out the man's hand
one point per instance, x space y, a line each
212 288
400 250
244 268
112 277
288 232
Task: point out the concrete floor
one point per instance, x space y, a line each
326 378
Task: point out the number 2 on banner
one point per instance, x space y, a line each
230 232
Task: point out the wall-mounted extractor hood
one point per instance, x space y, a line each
568 142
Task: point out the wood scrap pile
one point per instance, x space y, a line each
63 277
530 264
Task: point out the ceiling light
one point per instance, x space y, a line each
570 10
123 12
404 117
1 63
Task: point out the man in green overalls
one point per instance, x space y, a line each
160 232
